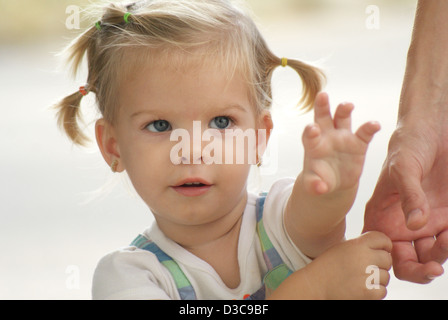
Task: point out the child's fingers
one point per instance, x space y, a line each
342 116
378 241
311 139
383 259
367 131
379 294
314 184
376 284
311 136
384 278
322 112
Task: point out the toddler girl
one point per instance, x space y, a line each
162 69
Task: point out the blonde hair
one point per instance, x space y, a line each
217 30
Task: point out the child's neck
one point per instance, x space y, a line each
192 237
216 243
222 255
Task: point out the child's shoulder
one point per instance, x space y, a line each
124 258
147 274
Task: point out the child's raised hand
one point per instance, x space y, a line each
334 155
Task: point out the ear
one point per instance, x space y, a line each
107 142
265 126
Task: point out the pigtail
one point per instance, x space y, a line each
313 80
68 109
69 116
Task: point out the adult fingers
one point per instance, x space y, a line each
423 248
439 251
433 248
384 196
406 175
407 267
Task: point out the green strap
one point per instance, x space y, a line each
183 285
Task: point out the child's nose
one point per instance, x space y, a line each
195 153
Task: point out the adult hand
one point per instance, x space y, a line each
410 202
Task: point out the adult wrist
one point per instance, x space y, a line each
422 98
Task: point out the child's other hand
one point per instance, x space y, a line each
343 271
334 156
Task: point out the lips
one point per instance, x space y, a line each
192 187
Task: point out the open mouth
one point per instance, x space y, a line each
192 188
192 184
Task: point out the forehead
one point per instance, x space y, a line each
179 60
166 79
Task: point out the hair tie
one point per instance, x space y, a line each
126 16
83 90
98 25
284 62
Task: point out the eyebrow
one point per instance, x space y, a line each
137 113
235 106
231 106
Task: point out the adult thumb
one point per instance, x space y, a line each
407 176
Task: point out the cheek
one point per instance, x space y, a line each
139 150
145 163
234 176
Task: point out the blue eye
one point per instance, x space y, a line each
220 123
159 126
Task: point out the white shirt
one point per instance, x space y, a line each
133 273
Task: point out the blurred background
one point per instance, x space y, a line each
61 209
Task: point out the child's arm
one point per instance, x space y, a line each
325 190
342 272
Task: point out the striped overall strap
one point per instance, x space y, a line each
183 285
277 269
